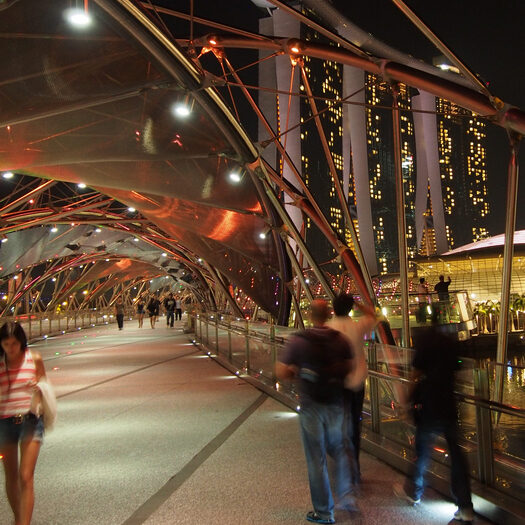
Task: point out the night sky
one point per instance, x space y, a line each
488 39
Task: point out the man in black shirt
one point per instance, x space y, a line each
442 288
444 298
169 305
435 412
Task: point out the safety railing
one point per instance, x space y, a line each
41 325
492 434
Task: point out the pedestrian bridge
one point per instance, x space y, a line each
150 430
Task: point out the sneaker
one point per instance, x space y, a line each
400 492
315 518
348 504
464 514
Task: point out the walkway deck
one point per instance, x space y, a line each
150 431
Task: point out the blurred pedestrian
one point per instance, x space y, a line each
169 305
140 311
22 374
434 408
119 313
422 298
443 298
354 392
321 358
178 308
153 310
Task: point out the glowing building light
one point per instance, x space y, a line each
8 174
131 209
81 185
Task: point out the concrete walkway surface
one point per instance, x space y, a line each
151 431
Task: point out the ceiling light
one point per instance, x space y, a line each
54 229
81 185
182 110
164 254
262 235
8 174
4 239
98 230
136 239
78 18
235 177
131 209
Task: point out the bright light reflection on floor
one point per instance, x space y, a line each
286 415
440 509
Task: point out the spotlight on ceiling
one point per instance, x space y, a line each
131 209
181 110
8 174
81 185
235 177
78 18
54 229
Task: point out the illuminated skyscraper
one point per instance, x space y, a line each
443 156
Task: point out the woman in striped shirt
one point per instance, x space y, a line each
20 371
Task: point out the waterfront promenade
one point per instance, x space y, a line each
151 431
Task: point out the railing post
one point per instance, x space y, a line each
247 359
484 428
207 331
229 339
273 349
217 333
374 389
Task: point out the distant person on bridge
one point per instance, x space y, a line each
354 392
442 288
422 299
140 311
119 313
169 305
321 358
20 372
178 308
434 409
153 310
443 297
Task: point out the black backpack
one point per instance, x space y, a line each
323 371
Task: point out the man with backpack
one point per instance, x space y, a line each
320 358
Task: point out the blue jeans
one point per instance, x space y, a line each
322 434
459 476
170 317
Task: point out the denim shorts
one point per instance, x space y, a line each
31 428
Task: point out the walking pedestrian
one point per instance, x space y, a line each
22 373
119 313
435 412
321 358
169 305
153 310
354 392
140 311
178 308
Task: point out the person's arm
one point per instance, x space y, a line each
285 372
449 279
39 366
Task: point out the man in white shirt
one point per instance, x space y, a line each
355 332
